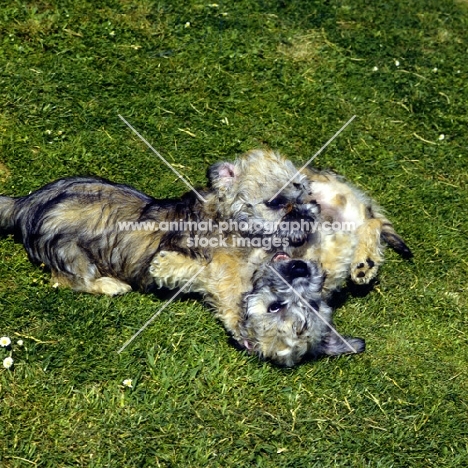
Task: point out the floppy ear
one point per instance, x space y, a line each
222 175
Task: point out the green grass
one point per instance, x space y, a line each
203 84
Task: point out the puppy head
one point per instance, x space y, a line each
283 316
265 193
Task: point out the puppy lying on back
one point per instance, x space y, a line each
81 229
353 231
271 305
276 306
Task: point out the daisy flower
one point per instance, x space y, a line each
127 383
5 341
8 362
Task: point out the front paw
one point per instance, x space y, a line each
172 269
161 269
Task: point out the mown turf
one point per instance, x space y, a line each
203 83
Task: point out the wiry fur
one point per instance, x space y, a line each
72 225
272 306
248 191
284 317
356 253
241 285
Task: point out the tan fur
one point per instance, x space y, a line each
222 281
71 226
355 254
271 307
342 254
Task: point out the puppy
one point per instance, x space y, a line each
332 222
100 237
266 197
267 315
71 226
353 231
271 305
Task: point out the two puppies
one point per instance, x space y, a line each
276 305
273 305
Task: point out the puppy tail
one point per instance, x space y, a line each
7 221
389 235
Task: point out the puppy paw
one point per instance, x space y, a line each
108 286
362 272
335 345
161 269
172 269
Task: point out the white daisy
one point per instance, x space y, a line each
5 341
127 383
7 362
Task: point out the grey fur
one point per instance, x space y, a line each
285 318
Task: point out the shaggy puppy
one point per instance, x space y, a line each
100 237
265 197
271 305
353 231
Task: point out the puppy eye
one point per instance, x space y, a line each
275 307
278 202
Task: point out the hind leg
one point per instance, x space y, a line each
103 285
368 253
108 286
80 274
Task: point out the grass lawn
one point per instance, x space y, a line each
203 83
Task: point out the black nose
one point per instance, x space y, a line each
297 269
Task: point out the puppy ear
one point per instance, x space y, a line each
222 175
334 345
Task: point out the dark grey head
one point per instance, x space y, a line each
284 316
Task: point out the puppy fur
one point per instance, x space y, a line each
72 225
272 305
356 253
242 288
248 193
